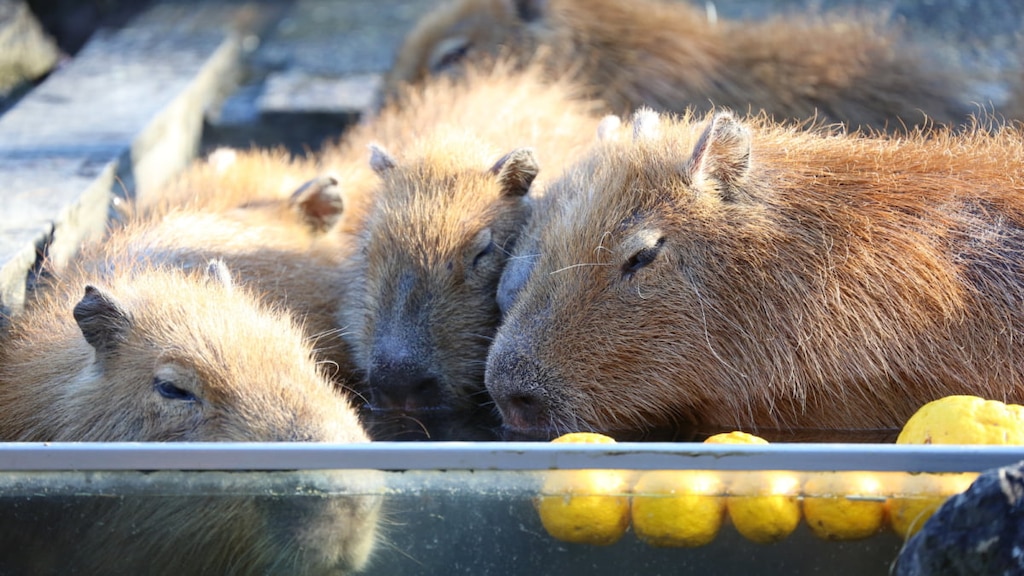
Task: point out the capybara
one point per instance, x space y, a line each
150 354
754 276
280 236
672 55
456 161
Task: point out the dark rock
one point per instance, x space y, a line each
978 533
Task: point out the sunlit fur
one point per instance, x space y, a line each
844 67
253 378
840 283
234 206
431 212
282 265
229 178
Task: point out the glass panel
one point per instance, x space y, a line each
406 517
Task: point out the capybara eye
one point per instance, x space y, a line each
483 253
642 258
171 392
451 57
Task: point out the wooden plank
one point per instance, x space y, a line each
121 118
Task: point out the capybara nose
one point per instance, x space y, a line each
403 385
523 411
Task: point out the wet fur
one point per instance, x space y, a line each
805 280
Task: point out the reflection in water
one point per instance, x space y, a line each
485 522
188 523
391 425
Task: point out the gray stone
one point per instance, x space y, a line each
977 533
329 38
296 90
124 116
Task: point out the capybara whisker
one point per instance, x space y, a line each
579 265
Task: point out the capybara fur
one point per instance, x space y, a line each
270 259
280 236
843 67
150 354
455 163
748 275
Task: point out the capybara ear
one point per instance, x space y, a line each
380 160
646 124
217 271
104 323
608 128
516 171
318 202
721 157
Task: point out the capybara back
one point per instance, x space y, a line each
841 67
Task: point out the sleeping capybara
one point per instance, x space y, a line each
747 275
280 236
150 354
673 55
227 179
455 163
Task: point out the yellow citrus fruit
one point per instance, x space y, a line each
678 507
844 505
949 420
917 496
965 420
585 506
735 437
763 506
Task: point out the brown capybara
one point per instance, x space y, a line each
747 275
280 236
259 187
455 161
144 354
673 55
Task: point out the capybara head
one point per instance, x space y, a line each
435 242
155 355
744 274
456 33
